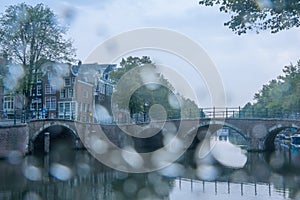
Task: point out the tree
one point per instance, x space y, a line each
257 15
160 92
31 35
280 96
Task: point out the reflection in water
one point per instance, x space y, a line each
77 175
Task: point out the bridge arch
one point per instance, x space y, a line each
59 132
200 130
272 132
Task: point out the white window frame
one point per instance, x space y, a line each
63 91
50 103
52 89
8 103
67 81
39 90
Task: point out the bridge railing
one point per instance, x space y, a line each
238 112
18 116
9 117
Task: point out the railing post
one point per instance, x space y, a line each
214 112
201 113
239 111
46 142
252 112
15 117
226 111
266 114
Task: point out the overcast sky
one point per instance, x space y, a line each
244 62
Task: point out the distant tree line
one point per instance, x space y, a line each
279 98
146 95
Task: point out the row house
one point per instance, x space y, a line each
61 91
11 103
83 86
65 95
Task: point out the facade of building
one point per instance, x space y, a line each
11 103
61 91
65 96
35 98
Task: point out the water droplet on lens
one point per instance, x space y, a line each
61 172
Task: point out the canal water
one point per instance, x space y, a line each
67 174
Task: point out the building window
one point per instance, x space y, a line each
61 108
67 82
8 103
36 104
73 79
39 90
79 107
49 76
70 93
86 94
32 91
84 107
50 89
63 93
38 78
67 110
51 103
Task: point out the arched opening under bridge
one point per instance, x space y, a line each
272 137
60 138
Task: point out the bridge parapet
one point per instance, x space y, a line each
258 132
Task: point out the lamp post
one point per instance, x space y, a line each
146 106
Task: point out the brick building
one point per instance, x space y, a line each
62 91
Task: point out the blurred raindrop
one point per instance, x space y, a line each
239 176
169 128
13 77
57 71
154 178
149 75
162 158
157 113
174 170
61 172
276 162
229 155
144 193
102 115
130 187
83 169
68 14
15 157
173 101
162 189
32 173
264 4
173 144
132 158
208 172
31 196
98 146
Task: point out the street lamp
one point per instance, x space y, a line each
146 106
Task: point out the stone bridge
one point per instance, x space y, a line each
258 133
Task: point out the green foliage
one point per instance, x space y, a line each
143 95
279 97
128 64
31 35
257 15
